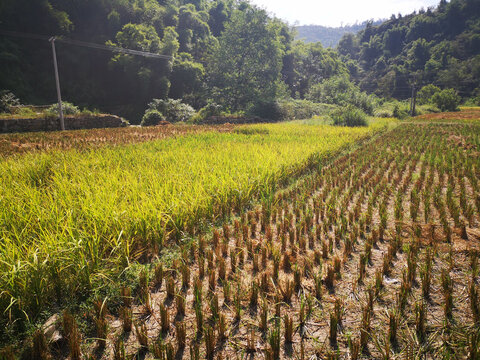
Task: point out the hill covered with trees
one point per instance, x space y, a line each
225 51
438 46
328 36
229 56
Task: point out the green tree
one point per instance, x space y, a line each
446 100
186 79
143 78
339 90
312 64
425 94
246 65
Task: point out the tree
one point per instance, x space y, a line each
186 78
339 90
425 94
312 64
393 40
446 100
348 45
246 65
419 54
218 17
141 78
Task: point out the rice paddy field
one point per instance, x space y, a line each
275 241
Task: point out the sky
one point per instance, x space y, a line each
339 12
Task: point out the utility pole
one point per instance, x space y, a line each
413 101
57 80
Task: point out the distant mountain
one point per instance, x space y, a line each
329 36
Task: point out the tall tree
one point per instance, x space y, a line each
246 65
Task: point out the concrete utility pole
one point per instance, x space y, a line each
57 80
413 101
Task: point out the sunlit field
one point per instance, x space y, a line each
72 220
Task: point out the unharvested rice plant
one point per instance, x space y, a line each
13 144
369 251
71 221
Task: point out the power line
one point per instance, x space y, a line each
86 44
52 41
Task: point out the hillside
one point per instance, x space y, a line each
438 46
328 36
210 41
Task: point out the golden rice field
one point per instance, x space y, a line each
72 220
278 241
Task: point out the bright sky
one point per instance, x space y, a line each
338 12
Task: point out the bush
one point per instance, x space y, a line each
349 116
424 95
269 110
209 110
383 113
446 100
68 109
290 109
7 100
173 110
339 90
302 109
152 117
400 112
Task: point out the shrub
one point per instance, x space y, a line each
302 109
424 95
209 110
152 117
383 113
172 109
473 101
7 100
267 110
339 90
290 109
349 116
446 100
68 109
400 112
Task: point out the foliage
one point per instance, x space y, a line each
446 100
229 51
172 109
349 116
209 110
473 101
245 66
292 109
152 117
309 64
328 36
339 90
7 100
425 94
186 78
438 45
400 111
68 109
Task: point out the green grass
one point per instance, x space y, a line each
71 221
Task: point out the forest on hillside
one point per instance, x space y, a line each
439 46
230 56
329 36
